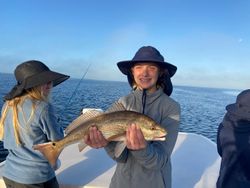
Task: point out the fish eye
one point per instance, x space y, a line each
153 128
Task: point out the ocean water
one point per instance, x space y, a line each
202 108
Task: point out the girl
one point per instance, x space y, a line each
27 119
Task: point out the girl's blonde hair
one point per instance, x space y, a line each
35 94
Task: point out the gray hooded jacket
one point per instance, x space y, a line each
149 167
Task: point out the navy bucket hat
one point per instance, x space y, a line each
241 107
146 54
33 73
150 54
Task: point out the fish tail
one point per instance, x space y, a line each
50 151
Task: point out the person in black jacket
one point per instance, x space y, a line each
233 144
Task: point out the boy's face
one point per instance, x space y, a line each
146 75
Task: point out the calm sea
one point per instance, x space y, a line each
202 108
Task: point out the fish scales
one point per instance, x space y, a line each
113 126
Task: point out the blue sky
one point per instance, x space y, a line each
208 40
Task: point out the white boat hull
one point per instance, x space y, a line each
195 164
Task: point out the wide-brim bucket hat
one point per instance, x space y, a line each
146 54
33 73
241 107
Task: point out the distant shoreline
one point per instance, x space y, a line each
115 81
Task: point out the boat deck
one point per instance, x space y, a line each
195 164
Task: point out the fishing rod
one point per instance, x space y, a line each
73 93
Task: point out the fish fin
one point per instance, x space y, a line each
82 145
85 110
117 106
119 148
87 115
50 151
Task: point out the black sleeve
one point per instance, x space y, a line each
219 150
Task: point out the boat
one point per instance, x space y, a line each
195 164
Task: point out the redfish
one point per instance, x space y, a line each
113 126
